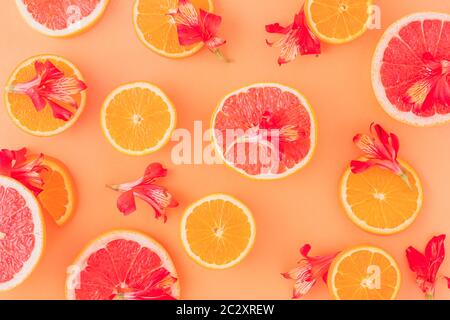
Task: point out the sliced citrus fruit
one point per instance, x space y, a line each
364 273
21 108
218 231
21 233
58 197
264 131
411 69
157 29
338 21
380 201
122 264
138 118
57 18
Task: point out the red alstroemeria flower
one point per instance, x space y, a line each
14 164
52 87
195 28
433 89
297 39
146 189
307 272
426 266
159 288
380 149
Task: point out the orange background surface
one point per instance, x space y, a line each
303 208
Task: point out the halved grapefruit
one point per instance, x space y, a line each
122 264
21 233
411 69
264 131
58 18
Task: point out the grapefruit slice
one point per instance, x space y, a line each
21 109
338 22
58 18
157 29
122 264
138 118
411 69
218 231
58 197
364 273
264 131
379 201
21 233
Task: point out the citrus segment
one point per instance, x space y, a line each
58 197
21 233
364 273
380 201
157 29
338 21
411 69
58 18
122 264
264 131
21 108
138 118
218 231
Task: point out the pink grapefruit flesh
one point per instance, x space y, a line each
264 131
61 18
21 233
411 69
122 265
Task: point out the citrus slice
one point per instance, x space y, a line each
21 108
379 201
56 18
264 131
157 29
411 69
338 21
21 233
364 273
138 118
122 264
58 198
218 231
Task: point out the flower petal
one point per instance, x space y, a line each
435 254
126 203
276 28
304 251
417 262
157 197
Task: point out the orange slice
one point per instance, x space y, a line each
21 109
138 118
218 231
56 18
58 198
338 21
157 30
364 273
379 201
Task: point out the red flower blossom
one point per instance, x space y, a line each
52 87
426 266
14 164
158 289
195 28
307 272
381 149
144 188
297 39
433 89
